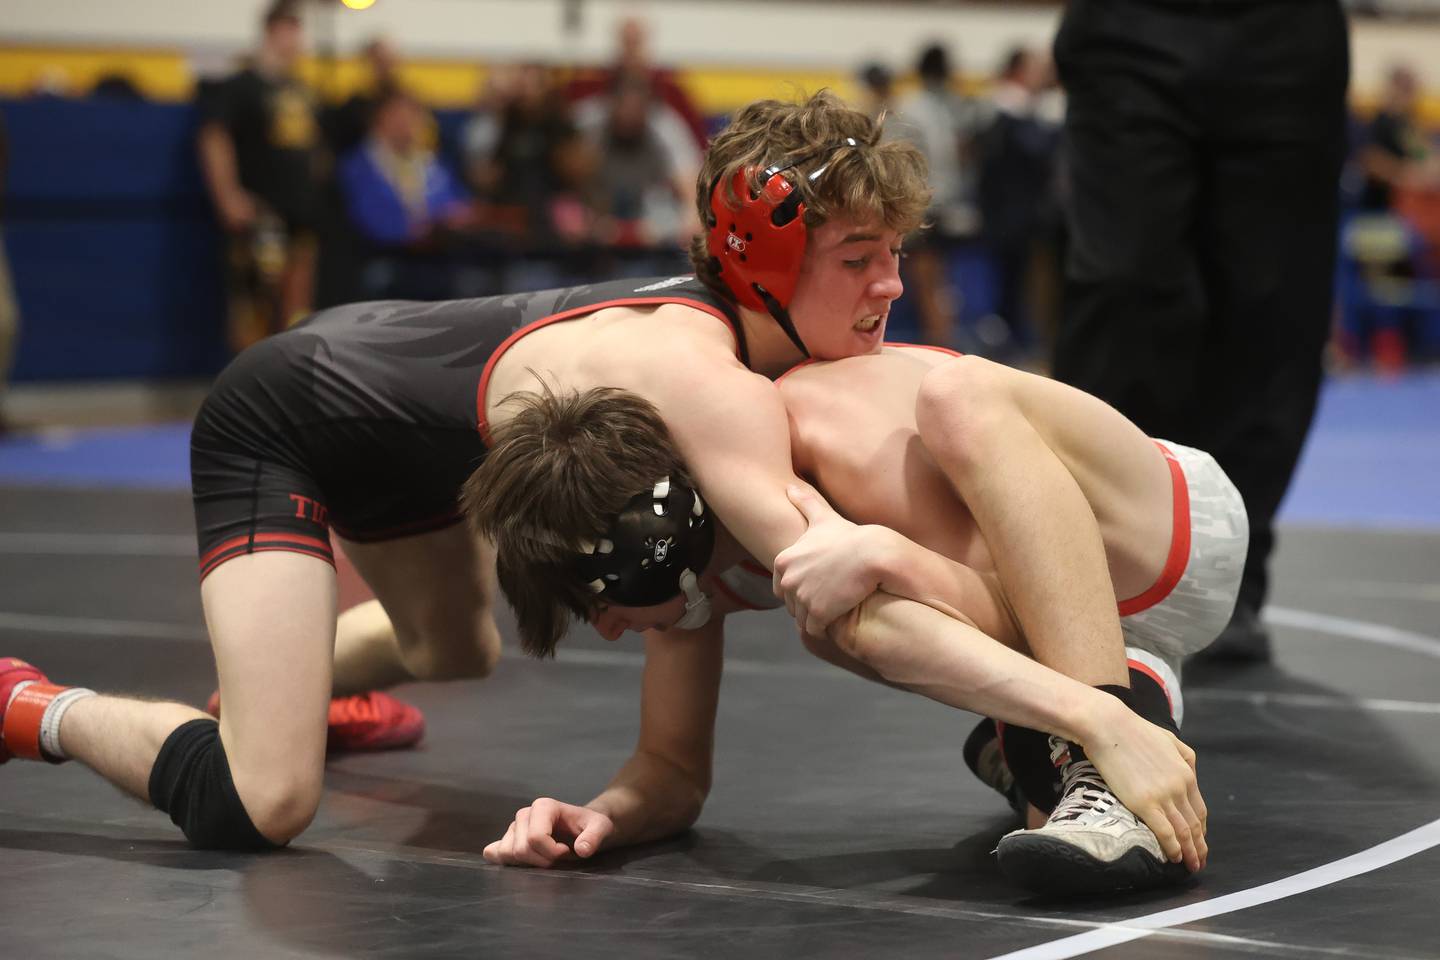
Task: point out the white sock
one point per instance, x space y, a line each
50 721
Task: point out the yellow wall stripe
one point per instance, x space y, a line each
167 75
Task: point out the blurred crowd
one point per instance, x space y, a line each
559 176
551 179
563 175
1388 288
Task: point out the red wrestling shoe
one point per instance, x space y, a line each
13 672
364 722
373 721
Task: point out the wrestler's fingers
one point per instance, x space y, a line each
542 842
593 835
1186 834
519 843
1186 753
810 504
1197 803
497 851
783 594
1158 820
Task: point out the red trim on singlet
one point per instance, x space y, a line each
264 543
1179 556
296 538
887 343
755 568
924 346
735 598
508 342
1137 665
802 363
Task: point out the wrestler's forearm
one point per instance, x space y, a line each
650 798
917 647
906 569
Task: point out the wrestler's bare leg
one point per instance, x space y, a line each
432 616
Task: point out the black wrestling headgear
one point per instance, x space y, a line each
655 550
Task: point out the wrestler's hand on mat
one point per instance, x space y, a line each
829 570
548 831
1152 772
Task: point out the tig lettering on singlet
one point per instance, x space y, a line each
308 508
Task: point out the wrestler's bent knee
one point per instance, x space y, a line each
439 654
192 781
956 402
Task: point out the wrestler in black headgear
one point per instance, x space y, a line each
656 549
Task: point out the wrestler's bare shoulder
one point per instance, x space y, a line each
894 361
821 390
629 347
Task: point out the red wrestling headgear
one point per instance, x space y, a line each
758 246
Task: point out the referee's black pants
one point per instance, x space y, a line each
1203 144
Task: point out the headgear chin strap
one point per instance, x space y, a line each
655 549
759 245
697 605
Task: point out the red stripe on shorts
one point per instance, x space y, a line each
1179 556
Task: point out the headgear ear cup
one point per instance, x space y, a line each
759 245
641 559
756 254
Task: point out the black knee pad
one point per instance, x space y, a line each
191 782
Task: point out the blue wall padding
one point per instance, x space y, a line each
112 245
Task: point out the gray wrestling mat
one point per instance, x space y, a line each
843 822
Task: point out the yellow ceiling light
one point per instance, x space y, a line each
359 4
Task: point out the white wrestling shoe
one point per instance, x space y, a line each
1091 845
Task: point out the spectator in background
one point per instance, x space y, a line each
678 119
9 312
877 89
576 207
1018 206
610 105
645 191
349 123
510 145
944 126
401 199
260 155
1203 144
116 85
1396 152
1389 266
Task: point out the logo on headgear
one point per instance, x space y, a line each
662 550
735 243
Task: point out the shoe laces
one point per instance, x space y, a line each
1087 797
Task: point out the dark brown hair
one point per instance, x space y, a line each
558 473
872 182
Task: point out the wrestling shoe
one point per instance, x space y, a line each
987 761
1091 845
363 722
13 672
